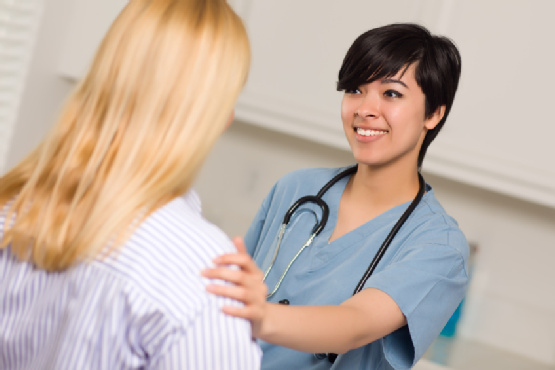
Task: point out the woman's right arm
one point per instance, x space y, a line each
362 319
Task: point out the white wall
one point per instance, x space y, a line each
511 304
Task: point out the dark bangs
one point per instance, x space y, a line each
376 54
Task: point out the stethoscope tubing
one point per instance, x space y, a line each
306 244
378 257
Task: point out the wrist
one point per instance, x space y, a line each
266 327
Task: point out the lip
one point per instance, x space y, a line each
368 139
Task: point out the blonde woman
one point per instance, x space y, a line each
101 253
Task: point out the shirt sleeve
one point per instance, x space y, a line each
427 281
213 340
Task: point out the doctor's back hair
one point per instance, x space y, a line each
132 135
384 51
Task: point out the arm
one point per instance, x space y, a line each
212 341
360 320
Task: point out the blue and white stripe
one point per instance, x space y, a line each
143 307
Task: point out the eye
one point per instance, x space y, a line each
352 91
393 94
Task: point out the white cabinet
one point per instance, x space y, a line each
499 134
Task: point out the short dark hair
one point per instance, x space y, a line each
384 51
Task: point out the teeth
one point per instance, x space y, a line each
363 132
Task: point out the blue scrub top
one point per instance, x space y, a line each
424 269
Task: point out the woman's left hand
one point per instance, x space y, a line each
248 285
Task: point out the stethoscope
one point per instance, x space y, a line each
320 226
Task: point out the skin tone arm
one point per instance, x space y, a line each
362 319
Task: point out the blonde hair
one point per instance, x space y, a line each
132 135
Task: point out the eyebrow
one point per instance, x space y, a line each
394 81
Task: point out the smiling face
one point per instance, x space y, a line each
384 121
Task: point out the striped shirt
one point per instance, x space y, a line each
143 307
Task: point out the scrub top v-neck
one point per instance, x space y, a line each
425 264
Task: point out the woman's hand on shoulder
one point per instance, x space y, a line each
247 287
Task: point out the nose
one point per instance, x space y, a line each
369 106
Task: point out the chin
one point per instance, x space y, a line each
368 157
371 162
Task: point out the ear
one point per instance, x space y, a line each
433 121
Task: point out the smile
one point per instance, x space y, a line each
364 132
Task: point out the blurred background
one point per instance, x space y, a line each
492 166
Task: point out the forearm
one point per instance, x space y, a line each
318 329
362 319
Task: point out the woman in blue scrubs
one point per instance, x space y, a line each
399 82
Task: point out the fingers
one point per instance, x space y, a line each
250 292
238 277
254 302
234 258
241 312
227 274
247 285
240 244
243 260
235 292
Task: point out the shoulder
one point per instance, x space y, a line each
181 234
160 266
163 258
433 226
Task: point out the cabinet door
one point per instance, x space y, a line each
499 133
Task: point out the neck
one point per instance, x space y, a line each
385 187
